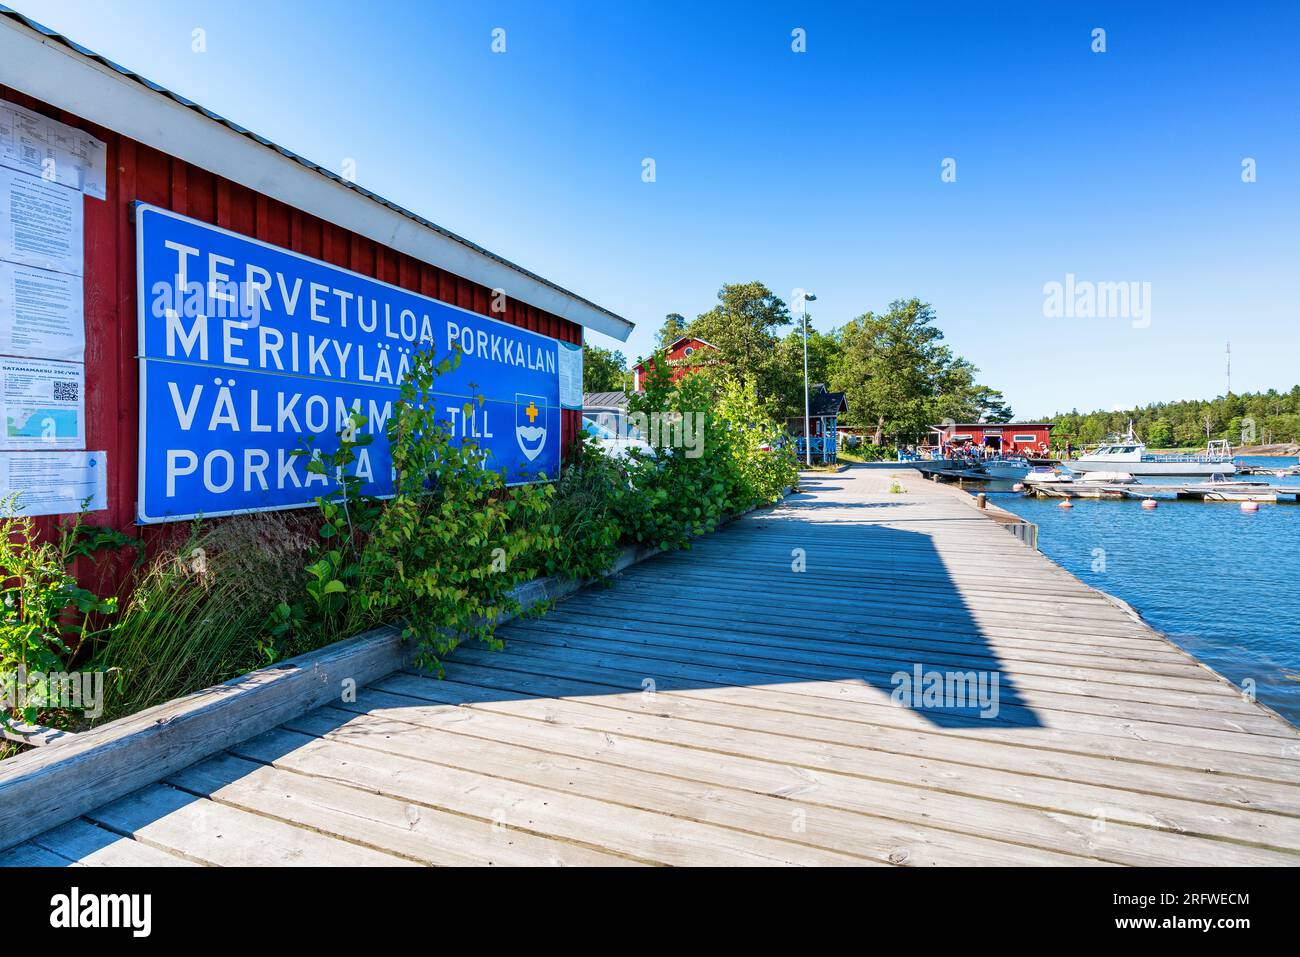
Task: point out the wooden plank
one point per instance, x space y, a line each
1094 733
93 846
834 640
887 840
630 831
1025 809
867 748
210 833
1026 697
1149 649
845 701
31 854
416 832
1188 688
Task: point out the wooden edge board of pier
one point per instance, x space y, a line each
740 703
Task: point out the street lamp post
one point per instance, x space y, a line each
806 298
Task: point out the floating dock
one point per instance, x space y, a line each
1194 491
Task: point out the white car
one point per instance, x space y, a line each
615 441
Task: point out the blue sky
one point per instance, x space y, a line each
818 170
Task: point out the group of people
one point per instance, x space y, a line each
969 452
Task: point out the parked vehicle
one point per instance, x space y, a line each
615 444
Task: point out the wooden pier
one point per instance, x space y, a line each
738 704
1189 491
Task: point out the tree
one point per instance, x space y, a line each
1268 416
1160 434
785 377
674 328
742 325
603 370
889 370
993 406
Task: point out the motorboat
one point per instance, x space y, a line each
1014 468
1108 478
1129 454
1047 475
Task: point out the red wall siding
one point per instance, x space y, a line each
675 357
137 172
1040 433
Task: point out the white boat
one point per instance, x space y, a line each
1130 455
1008 468
1108 478
1046 475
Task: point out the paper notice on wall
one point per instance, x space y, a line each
52 151
52 483
41 223
41 314
570 375
43 404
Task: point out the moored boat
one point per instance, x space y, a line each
1014 467
1109 478
1047 475
1129 454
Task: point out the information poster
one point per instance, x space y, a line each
41 314
52 483
52 151
43 404
46 168
570 375
41 223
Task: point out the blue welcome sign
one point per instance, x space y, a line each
247 349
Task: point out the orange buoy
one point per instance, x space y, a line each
1018 487
1065 503
1150 503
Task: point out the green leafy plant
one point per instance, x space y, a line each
679 490
581 519
716 451
762 467
50 620
441 555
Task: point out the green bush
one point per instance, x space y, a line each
715 452
442 554
761 466
682 488
581 519
50 620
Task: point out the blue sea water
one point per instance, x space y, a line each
1222 583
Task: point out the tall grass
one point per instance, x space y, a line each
199 613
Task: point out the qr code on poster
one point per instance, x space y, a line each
66 390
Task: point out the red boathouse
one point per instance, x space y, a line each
1006 437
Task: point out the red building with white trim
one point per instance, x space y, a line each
684 355
1006 437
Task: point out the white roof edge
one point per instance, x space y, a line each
43 67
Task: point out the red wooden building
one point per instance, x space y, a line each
686 353
167 151
1006 437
